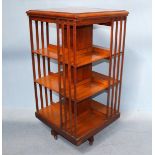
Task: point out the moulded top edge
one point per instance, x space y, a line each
72 12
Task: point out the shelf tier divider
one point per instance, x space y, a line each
84 89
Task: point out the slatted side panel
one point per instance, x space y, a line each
116 61
39 37
67 80
33 62
118 65
122 62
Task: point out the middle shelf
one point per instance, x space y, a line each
84 89
84 56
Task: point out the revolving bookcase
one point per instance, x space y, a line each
77 116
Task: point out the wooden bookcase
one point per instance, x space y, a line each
76 116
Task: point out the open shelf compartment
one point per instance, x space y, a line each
85 89
89 121
84 56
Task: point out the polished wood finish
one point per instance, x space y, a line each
86 88
88 121
76 116
84 56
77 13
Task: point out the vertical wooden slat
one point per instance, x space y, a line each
43 58
48 59
121 72
114 67
33 63
75 76
110 64
118 65
64 76
42 34
47 33
69 74
38 58
59 71
47 38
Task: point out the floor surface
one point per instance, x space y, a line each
23 134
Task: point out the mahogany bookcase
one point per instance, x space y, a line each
76 116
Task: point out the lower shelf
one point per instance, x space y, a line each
89 122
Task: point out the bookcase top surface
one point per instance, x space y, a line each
77 12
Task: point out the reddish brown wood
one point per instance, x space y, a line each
47 38
86 127
110 65
75 76
33 63
77 13
43 58
76 116
122 62
59 73
69 74
118 65
114 65
64 75
84 89
38 58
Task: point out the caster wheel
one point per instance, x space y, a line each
91 140
55 135
90 143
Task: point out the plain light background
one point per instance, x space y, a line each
18 92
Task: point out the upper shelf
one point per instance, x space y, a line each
83 57
85 89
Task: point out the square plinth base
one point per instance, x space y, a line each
89 123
